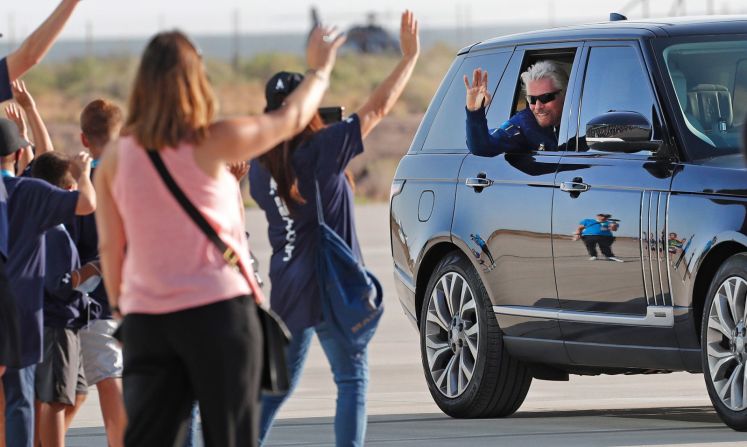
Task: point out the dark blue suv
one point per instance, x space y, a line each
486 260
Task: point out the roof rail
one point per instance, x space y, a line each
614 17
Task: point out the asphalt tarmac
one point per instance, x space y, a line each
662 410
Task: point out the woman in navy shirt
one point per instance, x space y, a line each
282 183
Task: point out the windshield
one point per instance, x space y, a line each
710 81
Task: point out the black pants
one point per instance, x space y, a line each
605 245
211 354
10 341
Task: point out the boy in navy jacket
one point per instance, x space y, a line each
60 382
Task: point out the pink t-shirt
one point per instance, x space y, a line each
170 264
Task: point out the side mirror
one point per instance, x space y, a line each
620 132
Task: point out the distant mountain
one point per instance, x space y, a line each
222 46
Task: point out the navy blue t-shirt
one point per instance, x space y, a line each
293 228
64 307
34 206
82 230
6 92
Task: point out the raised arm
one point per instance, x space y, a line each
381 101
87 197
112 240
248 137
33 49
13 112
42 141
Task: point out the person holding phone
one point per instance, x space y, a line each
283 185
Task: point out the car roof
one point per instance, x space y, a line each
623 29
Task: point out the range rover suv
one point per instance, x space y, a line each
486 263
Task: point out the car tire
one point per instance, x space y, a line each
722 339
468 370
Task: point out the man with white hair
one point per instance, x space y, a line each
534 128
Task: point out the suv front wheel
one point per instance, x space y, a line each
723 338
469 372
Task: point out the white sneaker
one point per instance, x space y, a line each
612 258
593 258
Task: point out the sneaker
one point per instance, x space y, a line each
593 258
612 258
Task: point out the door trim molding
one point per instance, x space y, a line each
657 316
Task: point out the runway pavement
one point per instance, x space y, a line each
666 409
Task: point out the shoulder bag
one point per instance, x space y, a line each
351 295
275 378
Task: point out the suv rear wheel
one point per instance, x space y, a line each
723 338
469 372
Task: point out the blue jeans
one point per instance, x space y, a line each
19 406
350 371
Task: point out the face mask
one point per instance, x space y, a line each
89 285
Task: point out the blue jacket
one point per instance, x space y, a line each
521 133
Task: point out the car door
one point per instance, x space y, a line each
502 218
612 281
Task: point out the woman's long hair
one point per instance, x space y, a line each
171 100
278 162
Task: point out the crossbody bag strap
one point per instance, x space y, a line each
229 255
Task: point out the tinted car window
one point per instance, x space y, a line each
447 133
710 83
614 80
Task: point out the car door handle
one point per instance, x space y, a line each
478 182
574 187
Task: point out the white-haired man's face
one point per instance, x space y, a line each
547 113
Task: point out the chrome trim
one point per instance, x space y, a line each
478 182
658 316
574 187
650 260
644 252
659 248
669 266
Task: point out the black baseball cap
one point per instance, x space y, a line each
10 139
279 87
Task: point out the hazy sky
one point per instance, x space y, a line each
112 18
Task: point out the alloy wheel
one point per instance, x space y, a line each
452 334
725 338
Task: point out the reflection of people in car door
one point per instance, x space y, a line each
598 232
484 250
534 128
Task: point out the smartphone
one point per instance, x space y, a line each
331 115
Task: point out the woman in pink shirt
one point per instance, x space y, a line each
190 326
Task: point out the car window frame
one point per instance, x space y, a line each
568 110
577 101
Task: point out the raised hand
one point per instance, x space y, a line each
82 162
238 169
13 112
409 38
321 51
478 94
22 95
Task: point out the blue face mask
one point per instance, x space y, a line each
89 285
